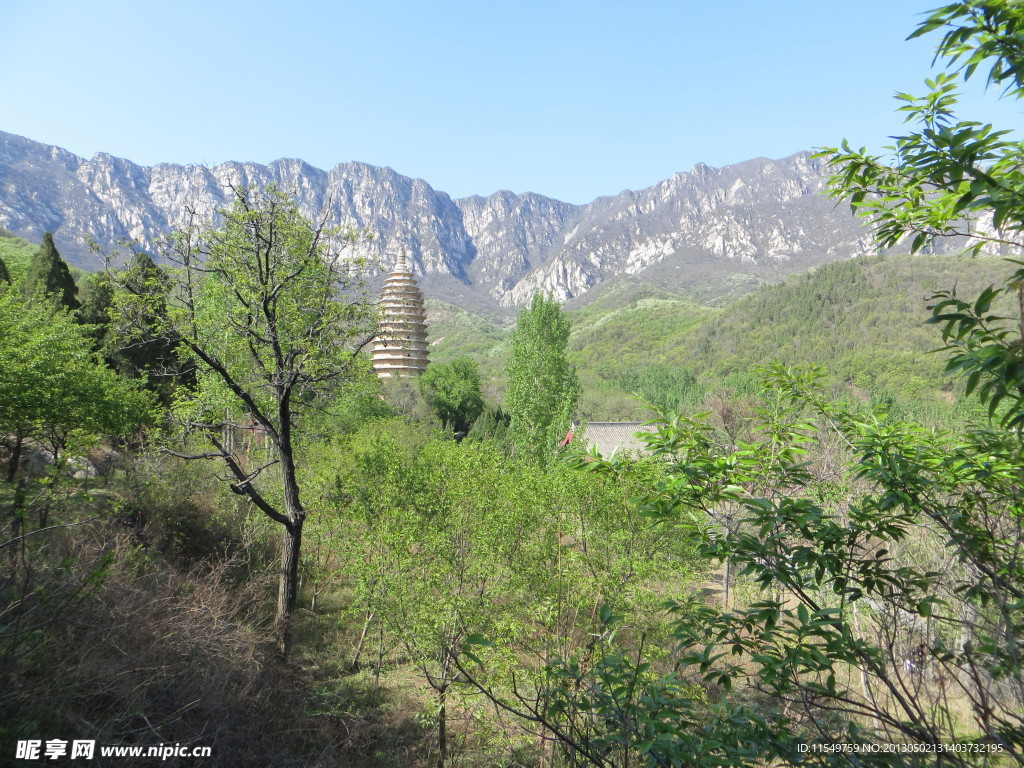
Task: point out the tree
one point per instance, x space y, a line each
452 389
445 544
957 178
887 606
137 345
268 308
5 276
49 274
543 387
54 388
96 296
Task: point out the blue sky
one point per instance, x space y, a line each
564 98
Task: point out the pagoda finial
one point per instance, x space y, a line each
402 265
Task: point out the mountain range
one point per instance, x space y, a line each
760 219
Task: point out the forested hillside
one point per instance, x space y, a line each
862 319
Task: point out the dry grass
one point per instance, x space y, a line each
125 642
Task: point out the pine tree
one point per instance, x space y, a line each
47 272
5 276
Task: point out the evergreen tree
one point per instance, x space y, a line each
96 297
47 272
151 350
543 387
5 276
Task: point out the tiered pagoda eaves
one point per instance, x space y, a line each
400 348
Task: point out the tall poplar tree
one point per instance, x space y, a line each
543 387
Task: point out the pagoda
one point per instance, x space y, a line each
400 348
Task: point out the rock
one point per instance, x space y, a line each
762 216
81 469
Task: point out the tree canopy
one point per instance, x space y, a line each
452 389
53 387
543 387
49 274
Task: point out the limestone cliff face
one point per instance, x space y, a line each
501 248
757 213
514 236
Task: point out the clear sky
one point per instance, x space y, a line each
566 98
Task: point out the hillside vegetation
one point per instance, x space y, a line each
15 253
862 319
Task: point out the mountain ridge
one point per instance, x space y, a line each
764 217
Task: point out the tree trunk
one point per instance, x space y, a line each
726 578
442 727
288 585
12 465
362 639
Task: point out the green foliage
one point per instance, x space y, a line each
48 274
268 310
955 177
491 425
652 331
445 543
948 172
258 306
876 589
886 558
53 388
5 276
667 387
131 329
351 405
96 295
452 389
456 332
986 348
862 318
16 252
543 387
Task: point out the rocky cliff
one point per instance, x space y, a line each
760 215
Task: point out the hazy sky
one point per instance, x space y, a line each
569 99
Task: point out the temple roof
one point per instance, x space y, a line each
609 436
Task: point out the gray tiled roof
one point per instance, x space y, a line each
609 435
